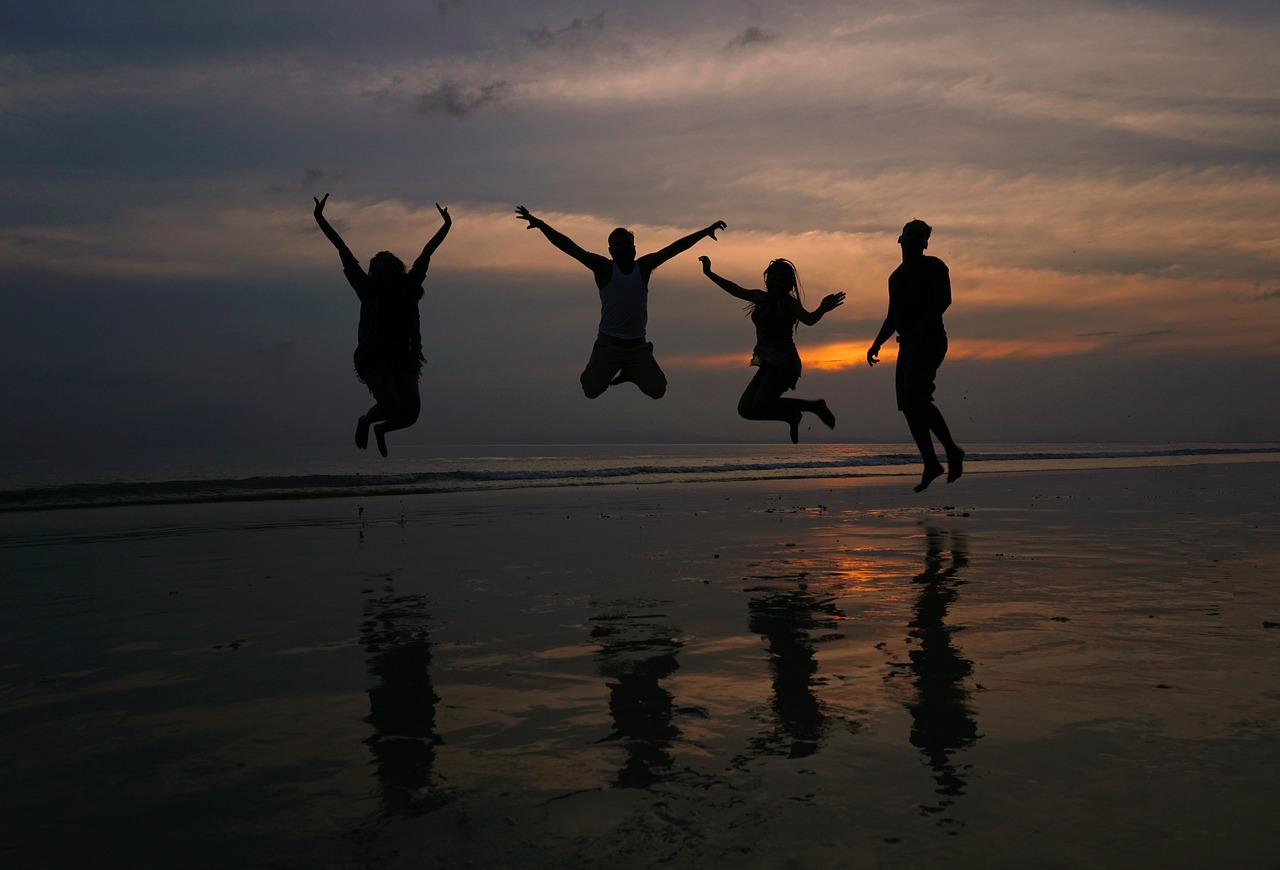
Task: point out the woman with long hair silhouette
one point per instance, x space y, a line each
775 311
388 356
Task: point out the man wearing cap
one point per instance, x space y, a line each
919 291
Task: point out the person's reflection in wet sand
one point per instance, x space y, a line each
792 619
402 705
637 651
941 721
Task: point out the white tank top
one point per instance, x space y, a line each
624 304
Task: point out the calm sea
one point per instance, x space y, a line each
191 476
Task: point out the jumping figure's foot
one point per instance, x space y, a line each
931 473
794 422
824 414
362 433
955 465
381 438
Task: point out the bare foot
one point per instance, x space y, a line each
824 414
955 465
381 438
795 429
362 433
931 473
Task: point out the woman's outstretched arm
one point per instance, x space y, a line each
424 259
830 302
728 286
348 258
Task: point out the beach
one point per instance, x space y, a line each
1066 668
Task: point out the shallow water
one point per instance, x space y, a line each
836 677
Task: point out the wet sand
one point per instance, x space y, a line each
1059 669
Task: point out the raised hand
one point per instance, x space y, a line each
833 300
444 213
526 215
706 264
718 225
318 211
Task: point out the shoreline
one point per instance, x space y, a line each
1078 664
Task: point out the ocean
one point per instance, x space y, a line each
190 476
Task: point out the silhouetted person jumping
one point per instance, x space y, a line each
388 357
775 311
621 352
919 291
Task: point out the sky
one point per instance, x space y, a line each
1102 179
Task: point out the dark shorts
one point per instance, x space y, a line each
916 371
633 358
774 375
373 367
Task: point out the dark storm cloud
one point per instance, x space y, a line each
458 101
752 36
544 37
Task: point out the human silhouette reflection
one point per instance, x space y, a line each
942 722
637 651
402 705
792 619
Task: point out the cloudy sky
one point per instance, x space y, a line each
1103 180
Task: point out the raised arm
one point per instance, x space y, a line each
649 262
598 264
420 265
830 302
728 286
348 258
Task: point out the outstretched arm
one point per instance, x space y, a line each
728 286
420 265
830 302
595 262
649 262
348 258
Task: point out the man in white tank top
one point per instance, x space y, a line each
621 352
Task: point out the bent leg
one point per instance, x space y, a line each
386 400
762 400
641 368
408 407
601 368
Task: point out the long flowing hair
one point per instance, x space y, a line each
780 279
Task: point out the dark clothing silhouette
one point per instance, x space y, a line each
775 339
388 357
621 352
390 333
919 292
775 312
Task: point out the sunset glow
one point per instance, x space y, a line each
1101 178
